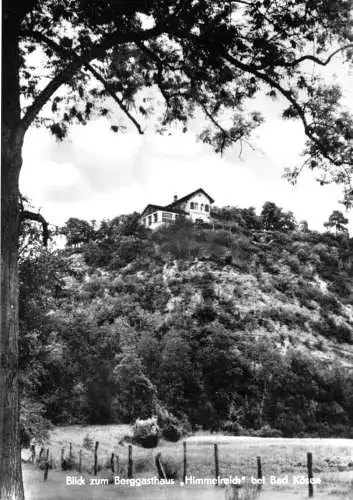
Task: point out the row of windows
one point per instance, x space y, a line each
166 217
195 206
147 221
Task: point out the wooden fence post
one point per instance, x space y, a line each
117 464
46 465
80 461
310 474
129 468
259 472
33 451
62 458
184 461
96 458
216 462
70 452
112 465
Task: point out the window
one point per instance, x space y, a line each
155 217
207 208
149 220
144 221
196 206
167 217
192 205
201 207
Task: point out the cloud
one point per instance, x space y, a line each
97 174
282 142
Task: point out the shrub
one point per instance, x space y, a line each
205 313
290 424
88 442
172 433
146 433
172 427
233 428
33 424
268 431
67 464
330 328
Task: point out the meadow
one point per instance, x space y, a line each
332 464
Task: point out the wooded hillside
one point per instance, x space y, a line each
246 329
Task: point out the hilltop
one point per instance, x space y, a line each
246 329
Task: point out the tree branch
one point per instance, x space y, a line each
301 113
288 95
314 58
70 54
120 103
213 120
27 215
115 38
160 67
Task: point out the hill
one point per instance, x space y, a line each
247 328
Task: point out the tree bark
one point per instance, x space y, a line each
10 460
11 486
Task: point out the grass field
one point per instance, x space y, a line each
332 463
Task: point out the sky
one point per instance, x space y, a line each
98 174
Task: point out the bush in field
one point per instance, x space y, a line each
146 433
290 424
172 433
172 428
67 464
233 428
268 431
88 442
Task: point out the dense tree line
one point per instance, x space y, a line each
129 323
271 218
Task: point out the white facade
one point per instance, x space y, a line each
195 206
158 218
198 206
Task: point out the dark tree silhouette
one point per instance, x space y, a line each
78 231
275 218
337 221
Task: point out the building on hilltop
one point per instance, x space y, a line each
195 206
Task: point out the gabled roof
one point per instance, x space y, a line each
152 208
185 198
173 207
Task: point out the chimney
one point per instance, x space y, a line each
175 197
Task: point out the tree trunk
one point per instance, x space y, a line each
11 486
10 459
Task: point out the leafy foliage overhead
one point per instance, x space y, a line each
203 57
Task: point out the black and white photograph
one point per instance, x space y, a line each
176 250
